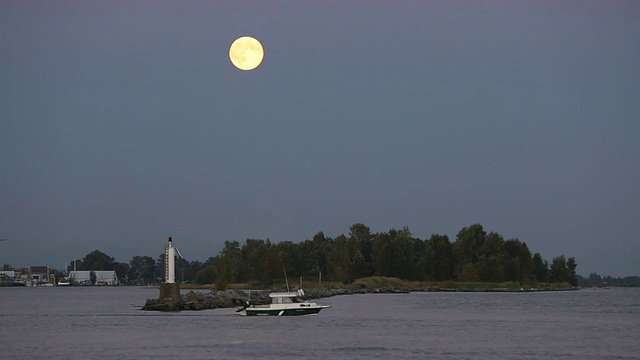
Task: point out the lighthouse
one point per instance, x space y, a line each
169 262
170 290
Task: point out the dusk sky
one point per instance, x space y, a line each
124 122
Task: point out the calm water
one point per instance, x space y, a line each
106 323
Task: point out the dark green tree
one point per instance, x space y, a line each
96 260
519 266
160 268
321 248
470 273
183 271
467 245
339 262
491 258
92 277
361 239
230 262
262 262
595 279
307 264
559 272
438 259
253 254
290 255
272 266
540 268
207 275
383 254
194 267
121 269
572 277
405 249
142 270
359 266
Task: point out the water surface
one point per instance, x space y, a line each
106 323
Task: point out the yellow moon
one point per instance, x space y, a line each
246 53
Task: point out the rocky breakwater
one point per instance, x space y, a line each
237 298
202 301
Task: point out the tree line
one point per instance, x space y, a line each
595 280
474 256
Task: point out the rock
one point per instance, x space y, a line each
157 305
213 300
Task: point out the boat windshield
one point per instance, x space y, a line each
283 300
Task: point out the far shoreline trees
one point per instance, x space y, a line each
474 256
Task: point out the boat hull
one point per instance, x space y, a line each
283 312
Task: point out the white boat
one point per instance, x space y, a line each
283 304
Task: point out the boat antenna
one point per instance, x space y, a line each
285 278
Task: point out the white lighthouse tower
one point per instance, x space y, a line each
169 263
170 290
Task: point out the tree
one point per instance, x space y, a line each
121 269
559 272
183 272
383 254
306 260
207 275
254 253
272 265
194 267
572 277
221 283
519 264
339 262
359 267
540 268
396 254
468 242
491 258
438 258
470 273
320 251
92 277
230 262
405 249
361 239
96 260
289 253
160 268
594 279
142 270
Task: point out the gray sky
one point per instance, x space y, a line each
124 122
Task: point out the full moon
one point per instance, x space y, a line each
246 53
